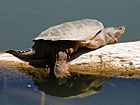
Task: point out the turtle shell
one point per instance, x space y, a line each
76 30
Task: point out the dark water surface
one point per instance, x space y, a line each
22 20
18 87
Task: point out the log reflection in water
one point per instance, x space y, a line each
73 86
76 86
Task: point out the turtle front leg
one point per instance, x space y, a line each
61 67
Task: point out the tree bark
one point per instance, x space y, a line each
116 60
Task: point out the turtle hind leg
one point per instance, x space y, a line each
61 67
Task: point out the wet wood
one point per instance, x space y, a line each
117 60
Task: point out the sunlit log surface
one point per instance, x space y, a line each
117 60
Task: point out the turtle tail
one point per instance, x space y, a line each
23 54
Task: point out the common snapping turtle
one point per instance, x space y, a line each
57 43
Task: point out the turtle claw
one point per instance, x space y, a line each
61 66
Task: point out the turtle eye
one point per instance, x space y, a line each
121 28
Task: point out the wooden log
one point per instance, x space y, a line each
116 60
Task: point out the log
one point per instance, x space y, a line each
116 60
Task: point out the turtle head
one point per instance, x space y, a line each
115 33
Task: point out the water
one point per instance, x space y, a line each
21 87
22 20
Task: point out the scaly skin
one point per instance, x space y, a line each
23 54
60 68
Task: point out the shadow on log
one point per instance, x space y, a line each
117 60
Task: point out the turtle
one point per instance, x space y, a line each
59 42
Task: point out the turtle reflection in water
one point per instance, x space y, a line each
75 86
57 43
